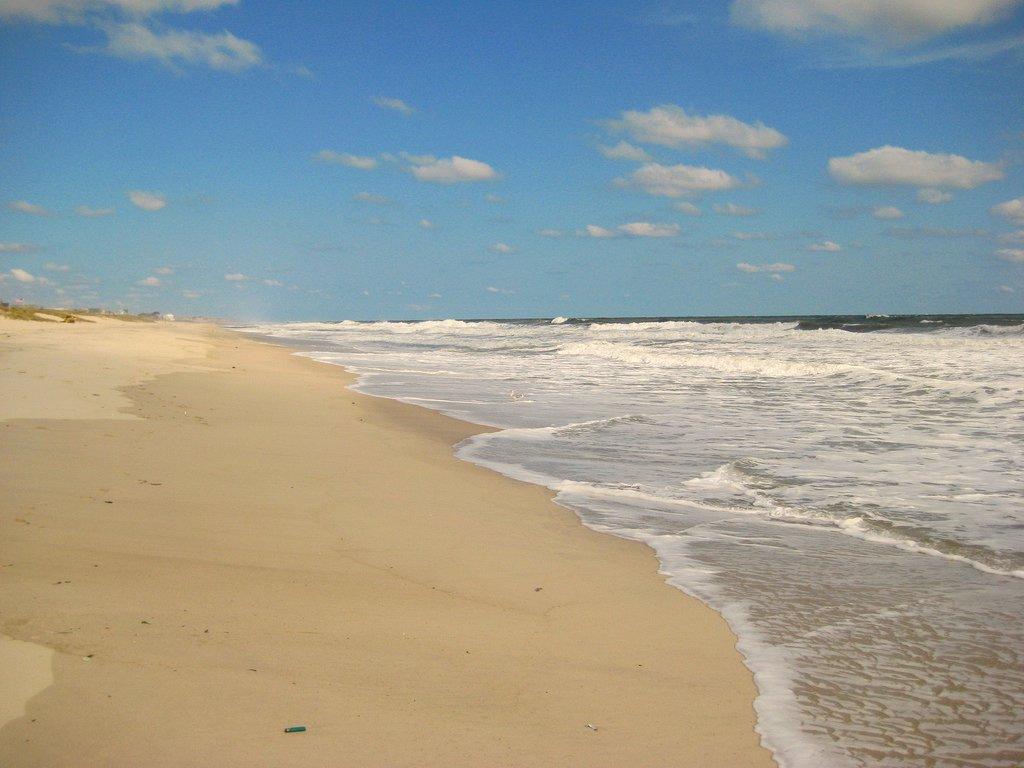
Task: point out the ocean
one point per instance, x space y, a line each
847 491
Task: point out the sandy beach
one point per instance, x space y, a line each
206 539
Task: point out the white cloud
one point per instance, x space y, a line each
22 276
687 208
175 47
492 289
886 166
1005 289
94 213
53 267
776 267
631 229
502 248
450 170
74 11
887 213
670 126
236 277
969 52
343 158
191 294
592 230
625 151
933 196
826 246
892 21
1011 210
23 206
1015 255
164 270
551 232
494 199
369 197
272 283
18 248
731 209
395 104
149 281
147 201
427 224
677 180
647 229
1013 237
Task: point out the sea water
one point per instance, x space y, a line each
847 491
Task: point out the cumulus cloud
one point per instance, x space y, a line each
450 170
1011 210
164 270
625 151
236 277
933 196
826 246
394 104
53 267
775 267
647 229
502 248
887 213
670 126
885 21
94 213
427 224
887 166
22 276
23 206
1012 237
372 199
189 294
592 230
18 248
271 282
175 47
343 158
1005 289
686 208
631 229
493 289
677 180
150 281
147 201
731 209
1015 255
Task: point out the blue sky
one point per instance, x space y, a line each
353 160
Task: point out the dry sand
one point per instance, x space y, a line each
204 539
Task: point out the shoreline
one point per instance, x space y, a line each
412 608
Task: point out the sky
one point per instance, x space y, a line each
405 160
